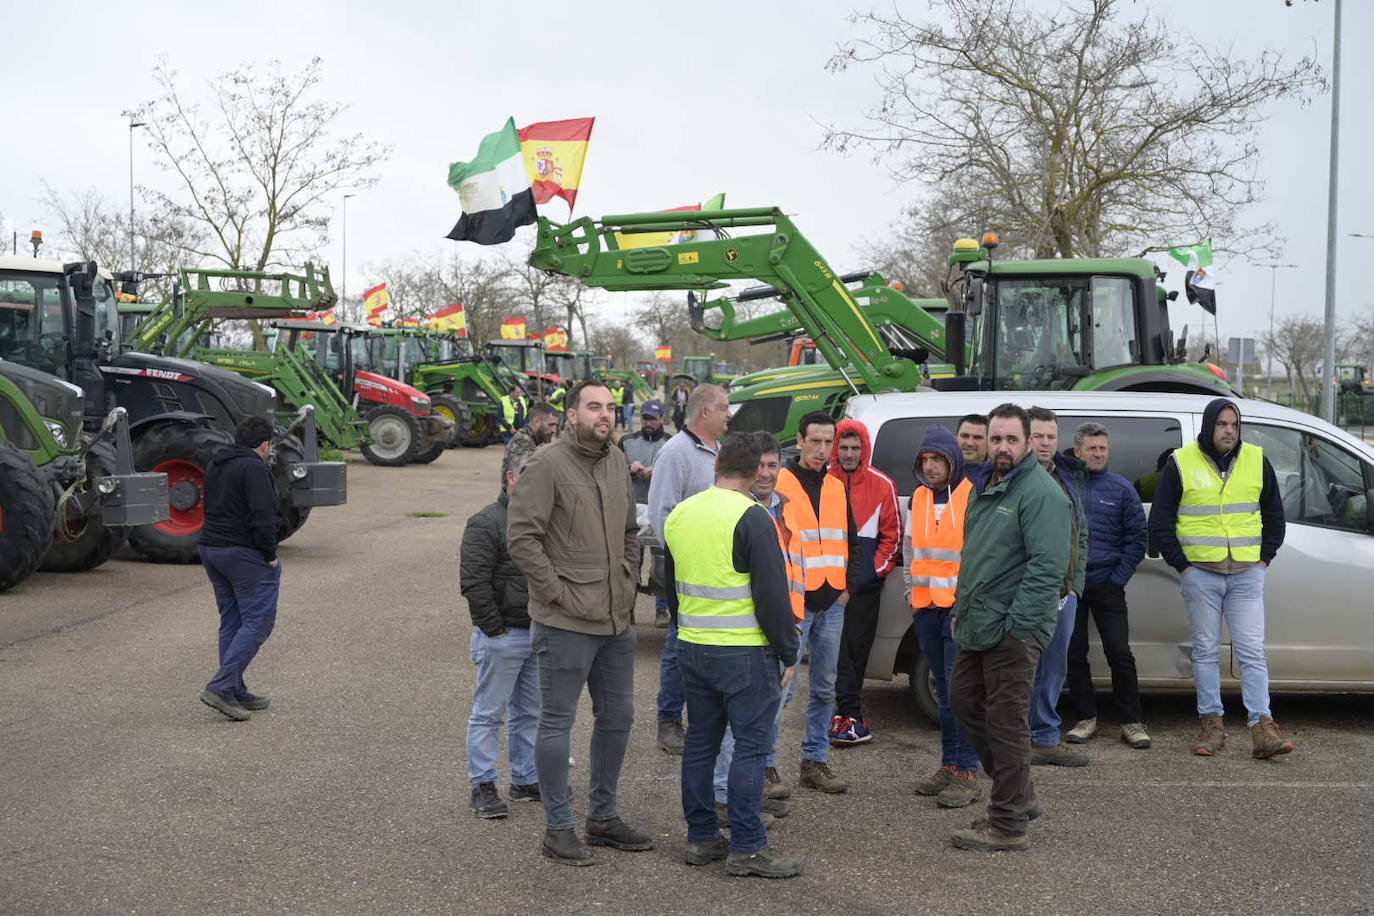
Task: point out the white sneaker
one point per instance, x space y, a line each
1082 731
1134 734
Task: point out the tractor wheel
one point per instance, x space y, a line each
289 451
450 408
91 543
395 435
481 430
182 452
427 454
26 516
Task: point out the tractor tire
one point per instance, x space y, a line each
26 516
289 450
427 454
450 408
182 452
481 430
395 436
92 543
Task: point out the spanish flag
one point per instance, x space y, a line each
655 239
555 338
554 152
663 354
325 317
453 318
377 301
513 329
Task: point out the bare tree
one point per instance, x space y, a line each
620 343
1297 346
256 161
1081 134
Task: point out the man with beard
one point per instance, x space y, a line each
641 450
572 531
1012 566
541 428
1218 519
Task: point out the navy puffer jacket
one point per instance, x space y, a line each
1116 527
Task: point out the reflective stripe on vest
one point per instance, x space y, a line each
715 604
1220 516
934 546
824 541
791 554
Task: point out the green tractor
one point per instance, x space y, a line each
66 495
1019 325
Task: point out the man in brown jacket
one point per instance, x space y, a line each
572 531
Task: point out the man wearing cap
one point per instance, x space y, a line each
641 448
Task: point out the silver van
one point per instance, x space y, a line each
1319 596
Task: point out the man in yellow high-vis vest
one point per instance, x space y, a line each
737 646
1218 519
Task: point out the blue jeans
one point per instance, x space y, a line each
820 632
936 636
670 696
507 678
246 590
1239 600
735 686
1050 675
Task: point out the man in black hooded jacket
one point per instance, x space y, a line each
1218 519
238 547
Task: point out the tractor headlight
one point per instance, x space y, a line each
419 401
106 485
298 471
58 431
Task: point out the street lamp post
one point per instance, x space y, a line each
1328 401
343 278
1269 348
132 125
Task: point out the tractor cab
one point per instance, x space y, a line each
353 360
569 365
1352 379
526 357
1056 324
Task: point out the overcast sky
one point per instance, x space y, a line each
690 99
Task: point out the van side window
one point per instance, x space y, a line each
894 449
1140 446
1320 482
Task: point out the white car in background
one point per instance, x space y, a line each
1319 595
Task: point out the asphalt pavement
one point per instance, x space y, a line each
122 793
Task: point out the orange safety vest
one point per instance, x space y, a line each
792 559
824 540
934 546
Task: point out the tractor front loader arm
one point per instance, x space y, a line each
780 256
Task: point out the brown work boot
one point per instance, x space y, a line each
1267 740
815 774
773 786
987 838
961 792
723 818
1057 755
1213 737
935 783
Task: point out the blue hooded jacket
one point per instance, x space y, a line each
1116 527
941 441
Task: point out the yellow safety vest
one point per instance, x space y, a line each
1219 516
935 546
824 540
715 604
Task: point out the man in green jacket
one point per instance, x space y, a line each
1016 552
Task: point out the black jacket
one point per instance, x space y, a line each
756 552
821 598
1163 524
240 502
497 593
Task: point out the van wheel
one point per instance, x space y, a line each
921 683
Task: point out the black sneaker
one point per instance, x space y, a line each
525 793
617 834
486 803
253 701
227 705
